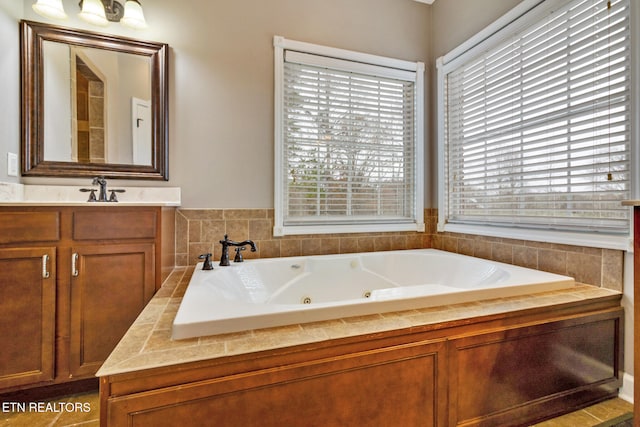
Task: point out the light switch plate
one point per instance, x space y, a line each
12 164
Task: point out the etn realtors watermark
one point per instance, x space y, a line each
56 407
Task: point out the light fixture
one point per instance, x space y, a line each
133 16
50 8
93 12
97 12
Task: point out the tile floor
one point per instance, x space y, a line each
592 415
75 410
61 413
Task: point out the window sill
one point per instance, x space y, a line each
346 228
603 241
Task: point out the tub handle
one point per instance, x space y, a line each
207 265
74 261
45 272
238 257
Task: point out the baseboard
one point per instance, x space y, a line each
626 391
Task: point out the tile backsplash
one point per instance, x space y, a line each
198 231
593 266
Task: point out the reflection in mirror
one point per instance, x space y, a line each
93 104
100 105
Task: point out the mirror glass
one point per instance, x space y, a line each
99 105
92 104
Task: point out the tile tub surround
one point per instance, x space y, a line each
593 266
199 230
148 342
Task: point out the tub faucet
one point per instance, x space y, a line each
224 258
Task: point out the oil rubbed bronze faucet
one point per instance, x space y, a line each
99 180
224 258
102 195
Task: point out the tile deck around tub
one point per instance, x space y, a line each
148 342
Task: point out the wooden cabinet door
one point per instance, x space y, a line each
110 285
28 312
396 385
515 375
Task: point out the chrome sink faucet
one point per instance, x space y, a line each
224 258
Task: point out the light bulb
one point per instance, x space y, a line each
50 9
93 13
133 16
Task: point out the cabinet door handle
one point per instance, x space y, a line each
74 261
45 272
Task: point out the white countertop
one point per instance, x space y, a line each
66 195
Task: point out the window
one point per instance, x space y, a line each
534 127
348 136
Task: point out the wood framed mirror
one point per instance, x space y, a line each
92 104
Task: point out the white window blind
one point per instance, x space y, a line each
537 127
348 143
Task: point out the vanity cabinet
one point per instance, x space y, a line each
110 285
72 281
27 323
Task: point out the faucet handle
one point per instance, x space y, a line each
238 257
208 264
113 197
92 196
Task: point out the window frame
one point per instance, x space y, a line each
280 188
518 18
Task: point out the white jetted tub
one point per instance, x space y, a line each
271 292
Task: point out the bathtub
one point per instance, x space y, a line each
271 292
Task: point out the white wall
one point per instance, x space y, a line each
10 11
